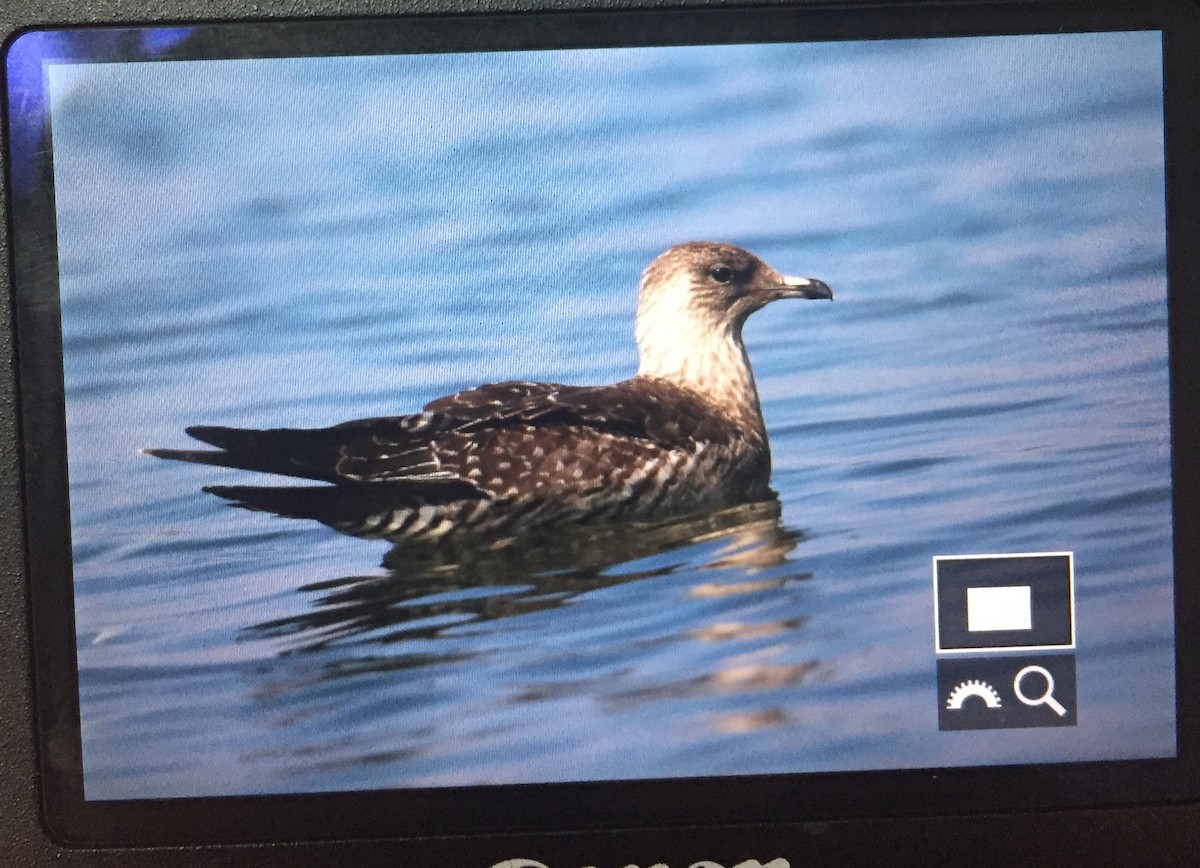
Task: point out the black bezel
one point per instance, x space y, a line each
602 805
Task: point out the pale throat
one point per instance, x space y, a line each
689 349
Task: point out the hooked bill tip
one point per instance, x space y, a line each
808 287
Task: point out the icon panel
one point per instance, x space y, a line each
1006 692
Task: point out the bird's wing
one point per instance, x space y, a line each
650 410
506 438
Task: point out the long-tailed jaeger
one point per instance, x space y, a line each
683 436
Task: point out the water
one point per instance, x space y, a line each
300 242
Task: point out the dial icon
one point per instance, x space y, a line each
962 692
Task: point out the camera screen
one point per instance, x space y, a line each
524 416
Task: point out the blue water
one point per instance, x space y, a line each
300 242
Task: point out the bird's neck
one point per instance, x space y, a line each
710 363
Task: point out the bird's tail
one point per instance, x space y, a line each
288 451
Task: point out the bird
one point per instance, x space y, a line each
684 436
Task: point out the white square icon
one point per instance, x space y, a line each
1003 608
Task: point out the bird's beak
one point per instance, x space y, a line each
804 287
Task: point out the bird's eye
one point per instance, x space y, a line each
722 274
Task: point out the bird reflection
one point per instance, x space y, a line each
427 590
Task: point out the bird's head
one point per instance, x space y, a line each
696 297
718 283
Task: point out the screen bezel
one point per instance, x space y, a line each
593 805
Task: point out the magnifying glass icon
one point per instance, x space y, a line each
1047 697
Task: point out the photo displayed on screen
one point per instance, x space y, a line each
579 415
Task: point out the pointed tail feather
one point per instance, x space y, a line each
287 451
194 456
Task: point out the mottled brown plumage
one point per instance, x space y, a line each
683 436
